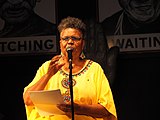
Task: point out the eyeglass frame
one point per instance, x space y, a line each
74 38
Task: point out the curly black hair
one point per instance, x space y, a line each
72 22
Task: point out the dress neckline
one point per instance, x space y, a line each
82 71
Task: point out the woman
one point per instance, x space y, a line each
93 98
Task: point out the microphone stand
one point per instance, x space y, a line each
71 87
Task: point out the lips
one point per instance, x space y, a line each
144 7
69 48
15 12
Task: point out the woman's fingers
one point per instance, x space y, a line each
55 59
64 107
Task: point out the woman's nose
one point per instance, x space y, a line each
70 40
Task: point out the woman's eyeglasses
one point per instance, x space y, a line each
67 38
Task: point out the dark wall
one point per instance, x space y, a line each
82 9
135 89
16 72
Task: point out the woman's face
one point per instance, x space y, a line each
141 10
72 38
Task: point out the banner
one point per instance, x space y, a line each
25 45
136 42
133 26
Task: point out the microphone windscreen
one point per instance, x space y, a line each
69 51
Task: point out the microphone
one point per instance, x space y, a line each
69 51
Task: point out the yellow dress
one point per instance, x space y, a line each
90 87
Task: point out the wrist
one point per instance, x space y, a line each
47 76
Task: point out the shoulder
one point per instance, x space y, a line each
113 18
45 64
94 64
43 26
109 23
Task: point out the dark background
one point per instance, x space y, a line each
136 89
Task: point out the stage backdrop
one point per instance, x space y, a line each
28 31
135 32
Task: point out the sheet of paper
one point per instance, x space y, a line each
46 101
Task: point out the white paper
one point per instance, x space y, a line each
46 101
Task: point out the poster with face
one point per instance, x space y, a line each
27 27
133 25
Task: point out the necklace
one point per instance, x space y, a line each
66 82
82 71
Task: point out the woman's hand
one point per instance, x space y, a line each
67 108
64 107
88 110
56 63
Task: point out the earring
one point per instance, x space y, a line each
82 55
